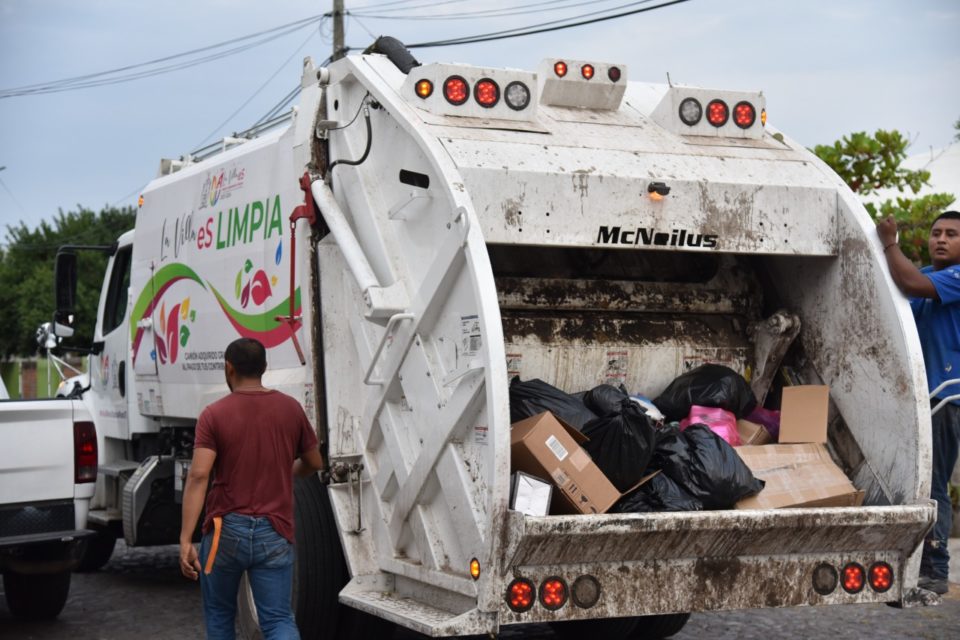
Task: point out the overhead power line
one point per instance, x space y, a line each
542 27
151 68
517 9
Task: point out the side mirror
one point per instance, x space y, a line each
65 285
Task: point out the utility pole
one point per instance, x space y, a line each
338 45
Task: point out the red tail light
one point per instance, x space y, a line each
456 90
586 71
486 93
744 115
852 578
560 68
520 595
553 593
718 113
880 577
84 452
614 74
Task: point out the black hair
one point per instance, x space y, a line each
948 215
247 356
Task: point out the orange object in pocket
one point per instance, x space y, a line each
217 522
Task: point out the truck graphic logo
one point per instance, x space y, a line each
648 236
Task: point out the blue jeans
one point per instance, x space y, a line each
248 544
935 561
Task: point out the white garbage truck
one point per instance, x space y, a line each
414 236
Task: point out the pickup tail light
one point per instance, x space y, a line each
521 594
853 578
84 452
880 577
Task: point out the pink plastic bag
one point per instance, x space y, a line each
721 422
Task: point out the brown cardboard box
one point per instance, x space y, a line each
545 446
752 433
799 472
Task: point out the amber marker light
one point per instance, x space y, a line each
424 89
140 201
763 117
475 569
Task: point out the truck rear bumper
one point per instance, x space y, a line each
37 553
673 562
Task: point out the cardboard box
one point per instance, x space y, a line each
530 495
799 471
546 447
752 433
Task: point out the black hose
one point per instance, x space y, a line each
395 51
366 152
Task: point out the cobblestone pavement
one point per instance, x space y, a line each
140 595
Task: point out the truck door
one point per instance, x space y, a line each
109 375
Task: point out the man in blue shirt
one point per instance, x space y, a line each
934 293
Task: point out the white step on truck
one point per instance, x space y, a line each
412 238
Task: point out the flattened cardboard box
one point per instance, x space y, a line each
545 446
799 472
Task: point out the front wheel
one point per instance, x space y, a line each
36 597
98 551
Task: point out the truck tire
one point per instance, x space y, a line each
607 629
660 626
98 551
36 596
319 574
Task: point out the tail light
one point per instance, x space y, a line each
517 95
825 579
880 577
560 68
586 71
853 578
456 90
487 93
424 88
553 593
585 591
614 74
84 452
690 111
744 115
718 113
520 595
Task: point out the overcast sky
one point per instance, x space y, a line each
827 68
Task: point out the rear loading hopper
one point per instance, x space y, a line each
585 240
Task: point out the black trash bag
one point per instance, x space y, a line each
536 396
709 385
621 444
660 493
705 466
605 399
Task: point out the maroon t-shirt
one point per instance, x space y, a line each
257 435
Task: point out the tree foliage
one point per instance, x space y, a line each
26 273
871 163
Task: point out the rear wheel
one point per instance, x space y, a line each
98 551
606 629
657 627
319 574
36 597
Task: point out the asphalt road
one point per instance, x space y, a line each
140 595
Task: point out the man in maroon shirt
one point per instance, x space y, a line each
253 441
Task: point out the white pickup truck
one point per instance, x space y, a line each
48 469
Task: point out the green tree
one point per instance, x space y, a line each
870 163
26 273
